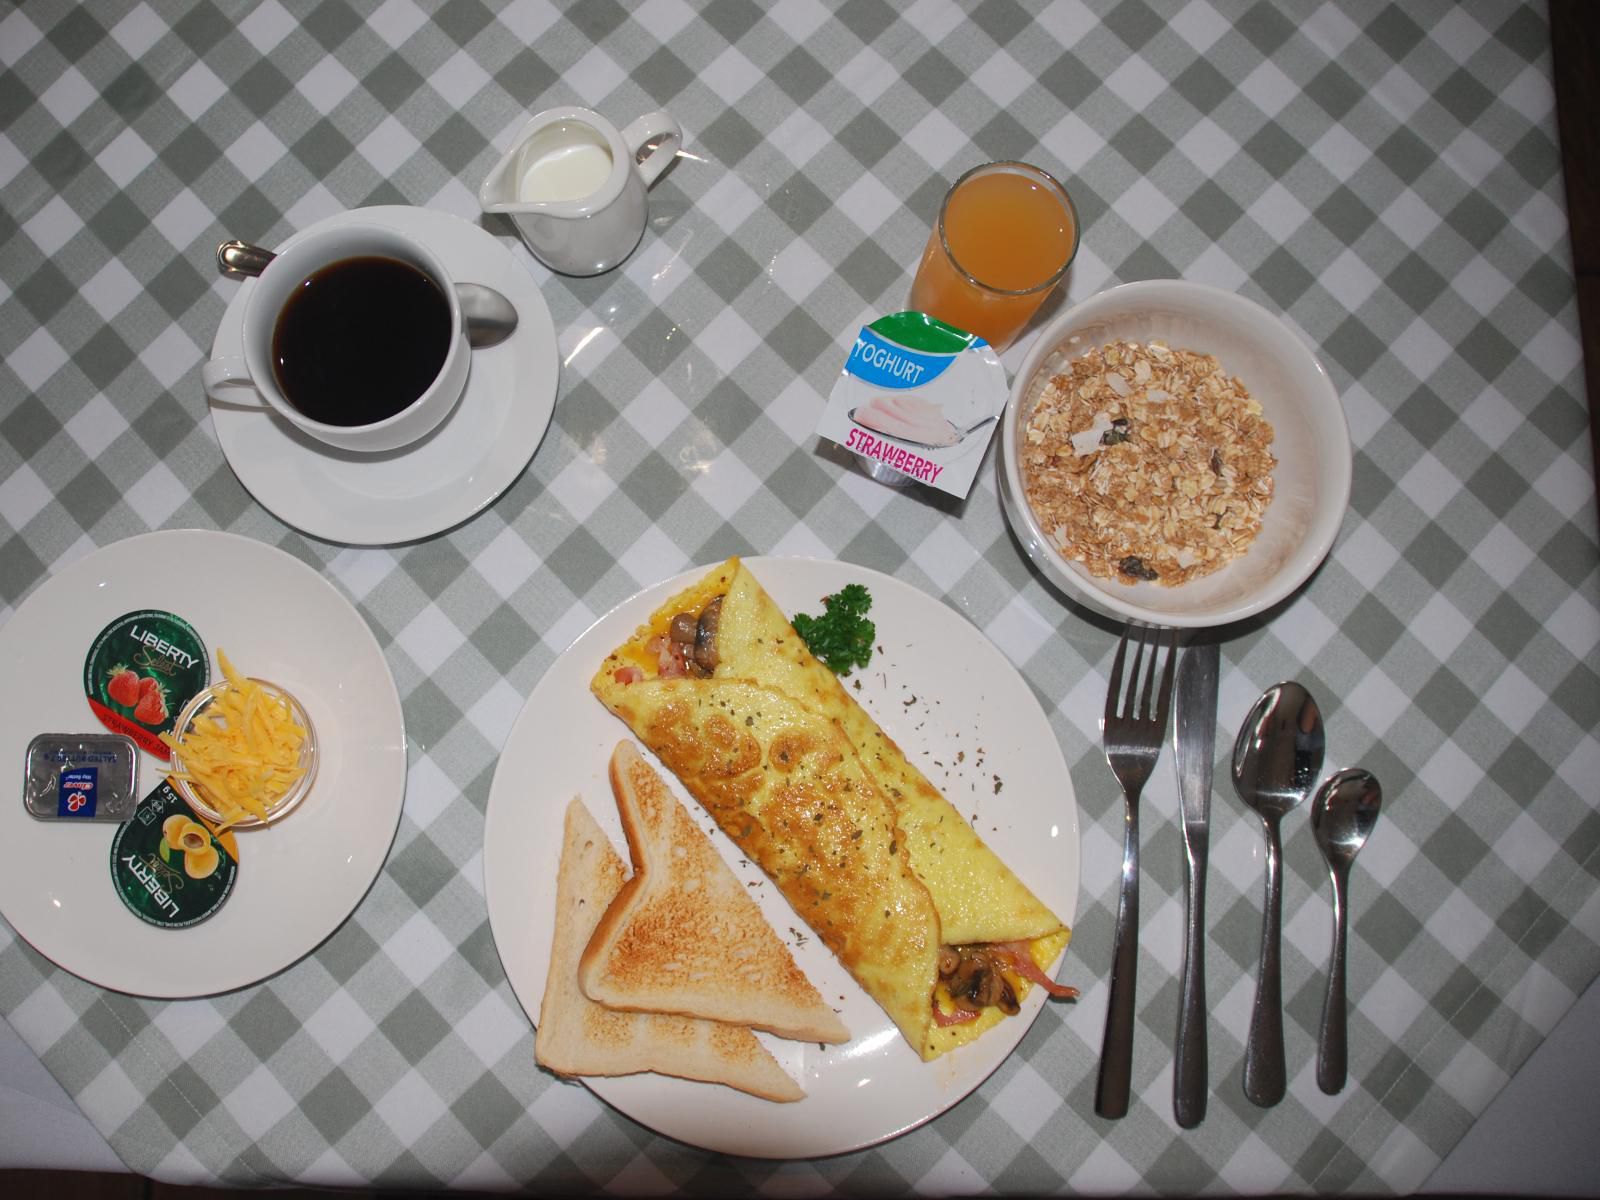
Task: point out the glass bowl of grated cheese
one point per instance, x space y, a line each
244 752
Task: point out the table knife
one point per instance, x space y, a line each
1194 737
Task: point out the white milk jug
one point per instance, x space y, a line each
573 187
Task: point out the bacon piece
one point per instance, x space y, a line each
627 674
960 1017
671 658
1021 960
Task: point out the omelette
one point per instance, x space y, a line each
925 916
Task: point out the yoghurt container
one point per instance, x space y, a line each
917 402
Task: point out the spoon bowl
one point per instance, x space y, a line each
1278 755
1344 813
1276 761
1342 818
488 316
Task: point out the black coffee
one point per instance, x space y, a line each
360 339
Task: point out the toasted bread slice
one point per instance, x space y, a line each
683 935
578 1037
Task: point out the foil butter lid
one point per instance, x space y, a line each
81 777
918 401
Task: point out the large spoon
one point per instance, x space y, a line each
488 317
1342 816
1276 762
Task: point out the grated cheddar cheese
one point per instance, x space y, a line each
243 750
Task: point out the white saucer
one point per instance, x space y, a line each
454 473
299 879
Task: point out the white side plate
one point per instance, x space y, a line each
298 880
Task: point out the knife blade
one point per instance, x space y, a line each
1194 733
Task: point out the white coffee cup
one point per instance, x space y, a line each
229 380
573 188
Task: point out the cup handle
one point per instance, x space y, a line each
224 377
648 128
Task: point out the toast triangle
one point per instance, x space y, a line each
683 935
578 1037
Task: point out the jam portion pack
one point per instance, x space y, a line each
140 671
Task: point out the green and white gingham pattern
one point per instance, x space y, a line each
1386 176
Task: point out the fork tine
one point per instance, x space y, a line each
1130 709
1114 689
1166 678
1147 694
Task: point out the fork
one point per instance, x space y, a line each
1135 727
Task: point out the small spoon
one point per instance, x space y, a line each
1275 763
957 434
1342 816
488 317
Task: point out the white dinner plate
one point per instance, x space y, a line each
453 473
960 711
299 879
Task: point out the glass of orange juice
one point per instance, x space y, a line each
1006 234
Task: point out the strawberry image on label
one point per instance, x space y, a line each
150 710
140 671
123 687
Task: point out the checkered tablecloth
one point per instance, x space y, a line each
1386 176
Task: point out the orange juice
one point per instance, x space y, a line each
1005 236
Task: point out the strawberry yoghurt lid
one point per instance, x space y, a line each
917 402
140 671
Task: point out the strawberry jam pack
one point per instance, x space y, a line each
141 670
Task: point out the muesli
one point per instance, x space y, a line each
1144 462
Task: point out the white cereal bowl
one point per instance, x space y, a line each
1311 443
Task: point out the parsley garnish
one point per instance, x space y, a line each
842 636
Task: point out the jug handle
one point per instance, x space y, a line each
648 128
